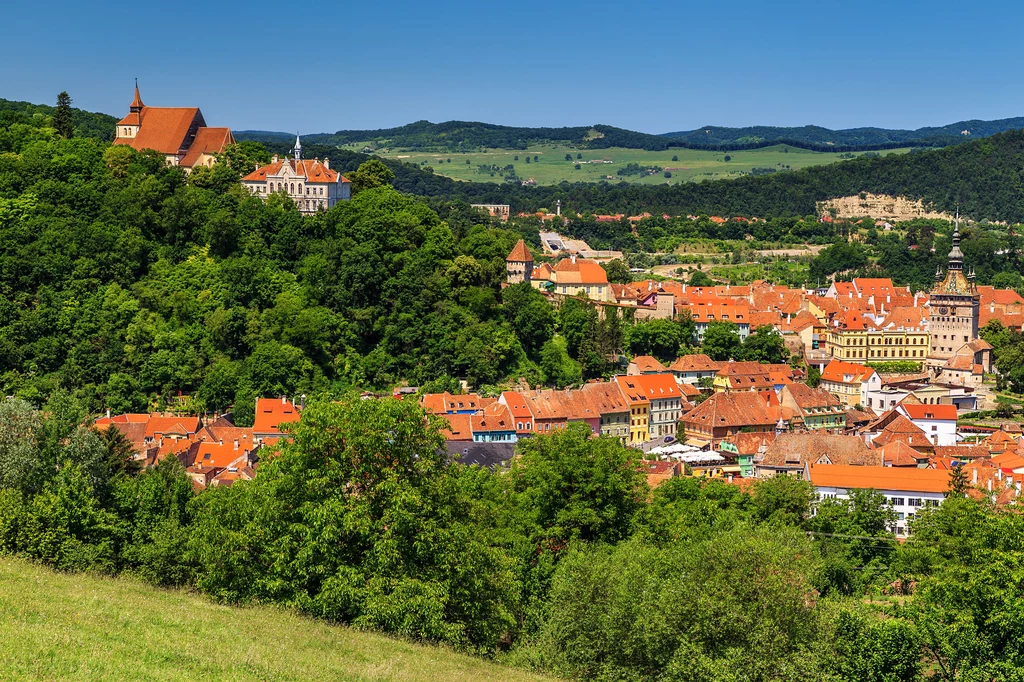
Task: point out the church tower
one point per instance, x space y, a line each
953 307
519 264
298 148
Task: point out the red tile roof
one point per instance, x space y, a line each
520 254
271 413
695 363
207 141
879 478
939 412
313 171
658 386
724 410
164 129
459 427
846 372
646 363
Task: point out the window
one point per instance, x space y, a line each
915 502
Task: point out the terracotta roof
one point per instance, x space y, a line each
899 454
689 390
164 129
605 397
207 141
216 454
807 398
646 363
579 271
158 426
271 413
520 254
730 410
443 403
517 405
658 386
796 449
846 372
961 363
939 412
659 472
880 478
632 390
695 363
312 171
903 429
495 417
459 427
961 452
751 443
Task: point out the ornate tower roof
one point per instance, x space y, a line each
955 281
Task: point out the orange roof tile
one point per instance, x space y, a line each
271 413
646 363
939 412
207 141
313 171
520 254
164 129
879 478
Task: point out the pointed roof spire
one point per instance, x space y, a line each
137 102
956 256
298 147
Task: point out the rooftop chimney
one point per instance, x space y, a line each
108 413
327 163
974 477
236 444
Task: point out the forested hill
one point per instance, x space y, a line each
467 136
984 177
816 137
87 123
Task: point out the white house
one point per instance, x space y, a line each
850 382
907 490
937 421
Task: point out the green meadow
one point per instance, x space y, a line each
551 167
58 626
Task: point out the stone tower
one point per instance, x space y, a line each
953 308
519 264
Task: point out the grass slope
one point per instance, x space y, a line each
82 627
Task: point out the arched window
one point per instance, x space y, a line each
292 188
300 188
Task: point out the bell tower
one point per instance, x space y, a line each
954 307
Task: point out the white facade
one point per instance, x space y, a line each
906 504
311 184
939 431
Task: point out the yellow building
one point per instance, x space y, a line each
639 409
859 339
574 276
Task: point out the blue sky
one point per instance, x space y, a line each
641 65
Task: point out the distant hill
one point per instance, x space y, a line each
859 138
456 136
87 123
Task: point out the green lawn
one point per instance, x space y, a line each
551 166
79 627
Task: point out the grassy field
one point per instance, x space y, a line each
601 164
78 627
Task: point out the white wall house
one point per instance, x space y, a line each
310 183
907 490
937 421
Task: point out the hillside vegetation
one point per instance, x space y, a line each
87 123
456 136
85 627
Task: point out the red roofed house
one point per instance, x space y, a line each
907 489
690 369
645 364
311 184
179 133
519 410
271 414
665 403
726 414
850 381
607 400
574 276
937 421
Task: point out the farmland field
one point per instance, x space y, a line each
551 166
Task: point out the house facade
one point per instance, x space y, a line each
310 183
850 382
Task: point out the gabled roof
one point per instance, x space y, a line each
579 271
936 412
695 363
724 410
164 129
459 427
841 372
313 171
903 429
899 454
647 363
207 141
658 386
632 390
605 397
807 398
880 478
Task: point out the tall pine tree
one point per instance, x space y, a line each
62 120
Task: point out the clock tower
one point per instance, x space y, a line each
953 308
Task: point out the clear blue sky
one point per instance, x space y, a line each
649 66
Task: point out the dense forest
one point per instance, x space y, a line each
463 136
568 563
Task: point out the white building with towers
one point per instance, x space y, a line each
953 309
310 183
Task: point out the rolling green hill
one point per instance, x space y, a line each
81 627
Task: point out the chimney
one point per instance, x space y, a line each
572 258
284 400
275 160
730 478
108 413
327 163
999 474
990 485
888 298
236 444
974 477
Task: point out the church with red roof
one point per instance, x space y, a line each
179 133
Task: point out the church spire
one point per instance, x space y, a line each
137 104
298 148
956 256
